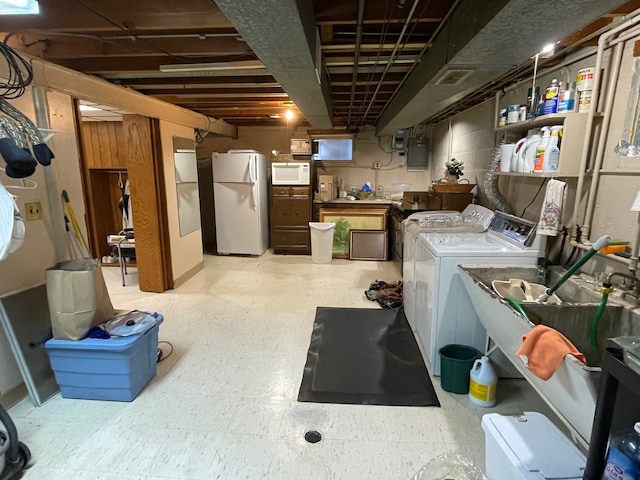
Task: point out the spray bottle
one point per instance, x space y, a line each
552 154
538 165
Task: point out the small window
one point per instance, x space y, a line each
333 149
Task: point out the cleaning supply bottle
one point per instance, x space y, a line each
568 99
538 164
623 457
482 383
552 154
551 97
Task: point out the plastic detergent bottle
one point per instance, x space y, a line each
623 457
541 149
552 154
482 383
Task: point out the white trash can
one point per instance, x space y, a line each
321 241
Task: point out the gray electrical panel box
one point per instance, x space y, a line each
418 158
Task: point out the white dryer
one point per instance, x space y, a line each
444 313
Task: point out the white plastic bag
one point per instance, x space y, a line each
449 466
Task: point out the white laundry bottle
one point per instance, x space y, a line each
482 383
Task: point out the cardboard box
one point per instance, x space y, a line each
326 187
420 201
116 368
436 201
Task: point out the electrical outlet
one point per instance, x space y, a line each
34 211
376 165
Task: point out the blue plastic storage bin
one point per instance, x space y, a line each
105 369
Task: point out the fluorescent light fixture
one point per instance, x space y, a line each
19 7
210 67
89 108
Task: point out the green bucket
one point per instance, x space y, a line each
455 367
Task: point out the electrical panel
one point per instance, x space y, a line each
399 140
418 158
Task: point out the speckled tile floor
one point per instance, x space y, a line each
223 406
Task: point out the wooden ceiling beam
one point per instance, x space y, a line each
114 65
60 47
187 98
258 91
256 80
100 15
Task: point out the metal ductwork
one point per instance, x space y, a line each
480 42
282 33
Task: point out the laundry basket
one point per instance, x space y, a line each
321 241
456 362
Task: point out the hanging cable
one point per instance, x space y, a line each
20 73
534 198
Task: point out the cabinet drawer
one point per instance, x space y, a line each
291 240
299 191
281 191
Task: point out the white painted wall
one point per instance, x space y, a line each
186 251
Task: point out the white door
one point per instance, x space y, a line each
234 167
237 221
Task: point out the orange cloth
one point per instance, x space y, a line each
544 349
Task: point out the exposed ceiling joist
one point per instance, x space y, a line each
283 34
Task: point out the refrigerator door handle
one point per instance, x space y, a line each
253 166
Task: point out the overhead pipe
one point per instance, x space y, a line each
422 52
391 57
55 223
578 215
356 58
606 122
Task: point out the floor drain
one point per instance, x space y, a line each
313 436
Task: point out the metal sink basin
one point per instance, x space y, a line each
573 317
572 390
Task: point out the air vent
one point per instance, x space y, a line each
453 77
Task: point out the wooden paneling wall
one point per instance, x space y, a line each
104 163
146 178
103 144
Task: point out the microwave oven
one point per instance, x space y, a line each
291 173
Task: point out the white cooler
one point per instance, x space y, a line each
529 447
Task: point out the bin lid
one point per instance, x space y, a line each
113 344
539 445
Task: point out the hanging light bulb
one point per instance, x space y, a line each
289 114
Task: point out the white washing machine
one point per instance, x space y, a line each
474 218
444 313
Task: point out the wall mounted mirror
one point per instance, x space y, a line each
186 168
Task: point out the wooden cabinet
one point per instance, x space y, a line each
290 216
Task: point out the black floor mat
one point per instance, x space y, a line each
365 356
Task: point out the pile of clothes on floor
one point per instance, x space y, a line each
388 295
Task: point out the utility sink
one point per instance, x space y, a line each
572 390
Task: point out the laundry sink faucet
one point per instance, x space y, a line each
636 284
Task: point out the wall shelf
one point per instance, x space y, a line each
541 121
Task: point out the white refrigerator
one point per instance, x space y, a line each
241 202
